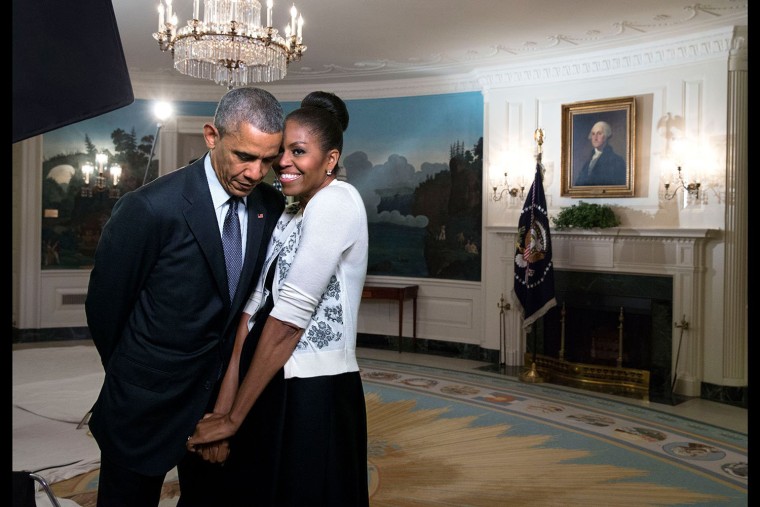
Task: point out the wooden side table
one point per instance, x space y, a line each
398 293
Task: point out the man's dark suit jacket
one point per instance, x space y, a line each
608 170
159 313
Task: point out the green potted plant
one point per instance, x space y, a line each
586 216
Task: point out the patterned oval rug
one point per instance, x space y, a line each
444 438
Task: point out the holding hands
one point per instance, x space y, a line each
211 438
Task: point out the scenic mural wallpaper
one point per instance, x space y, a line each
417 162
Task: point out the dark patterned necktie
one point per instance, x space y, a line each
233 246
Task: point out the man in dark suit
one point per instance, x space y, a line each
159 307
604 166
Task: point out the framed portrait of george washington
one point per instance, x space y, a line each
598 148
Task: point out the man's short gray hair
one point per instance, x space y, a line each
254 106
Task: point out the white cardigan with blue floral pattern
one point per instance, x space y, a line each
321 254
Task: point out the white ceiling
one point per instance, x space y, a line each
370 40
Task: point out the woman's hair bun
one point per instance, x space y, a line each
329 101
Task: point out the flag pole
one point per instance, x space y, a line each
532 374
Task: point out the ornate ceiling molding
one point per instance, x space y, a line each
690 18
690 48
640 58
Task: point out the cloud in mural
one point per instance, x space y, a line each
62 174
395 176
394 217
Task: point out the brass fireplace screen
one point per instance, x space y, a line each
609 333
608 351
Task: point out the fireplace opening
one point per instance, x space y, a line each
602 311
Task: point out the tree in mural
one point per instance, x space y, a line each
422 223
456 211
72 222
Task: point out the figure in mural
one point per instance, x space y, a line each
51 253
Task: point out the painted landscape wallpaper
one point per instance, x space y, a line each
417 162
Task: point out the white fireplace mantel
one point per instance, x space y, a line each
664 252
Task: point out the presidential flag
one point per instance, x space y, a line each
534 272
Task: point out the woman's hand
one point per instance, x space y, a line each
210 439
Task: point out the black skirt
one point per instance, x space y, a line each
303 444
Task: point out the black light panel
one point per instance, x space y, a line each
68 64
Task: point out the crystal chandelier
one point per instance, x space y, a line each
229 46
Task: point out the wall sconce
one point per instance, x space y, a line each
698 164
519 160
512 191
514 162
88 169
692 188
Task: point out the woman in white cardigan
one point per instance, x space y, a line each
292 402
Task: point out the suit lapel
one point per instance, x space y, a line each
201 220
257 218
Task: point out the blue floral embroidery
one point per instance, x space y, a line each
322 335
281 224
333 288
292 208
320 332
334 313
289 249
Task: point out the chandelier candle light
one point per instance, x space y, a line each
230 46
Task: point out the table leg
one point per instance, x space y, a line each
414 323
400 321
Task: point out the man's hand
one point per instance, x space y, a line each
210 439
216 452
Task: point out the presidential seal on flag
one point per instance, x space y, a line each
534 271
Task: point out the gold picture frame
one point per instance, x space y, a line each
612 124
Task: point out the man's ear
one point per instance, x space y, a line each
210 135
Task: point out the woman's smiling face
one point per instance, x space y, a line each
303 166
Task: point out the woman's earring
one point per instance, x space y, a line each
329 173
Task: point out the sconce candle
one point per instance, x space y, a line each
692 188
115 171
88 168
